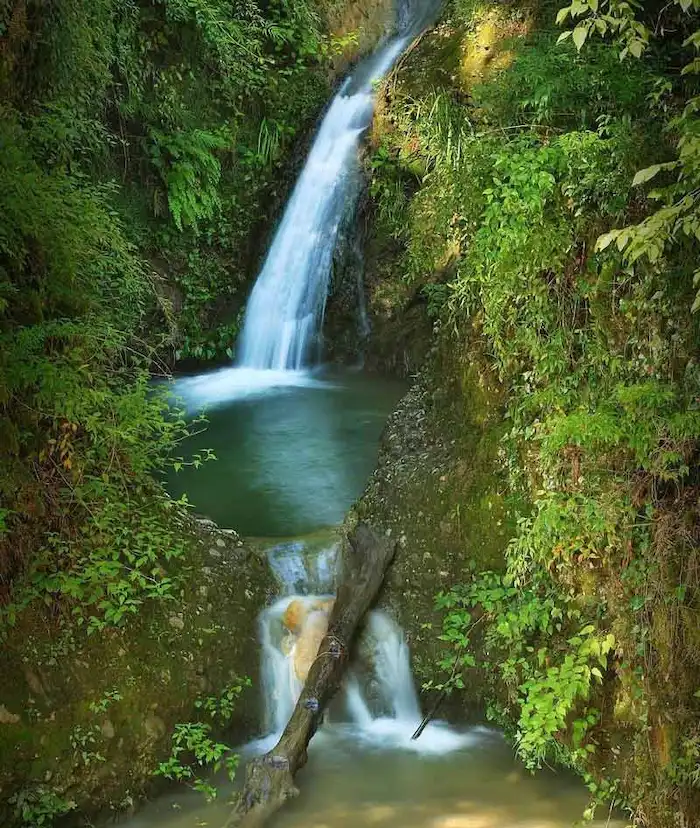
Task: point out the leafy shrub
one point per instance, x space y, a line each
531 230
194 747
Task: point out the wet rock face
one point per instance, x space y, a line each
438 490
123 691
307 623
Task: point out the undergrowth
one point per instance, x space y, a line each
524 219
141 149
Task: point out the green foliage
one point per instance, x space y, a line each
388 189
84 741
194 747
109 532
140 145
38 806
548 85
513 236
685 768
545 661
190 172
220 708
104 703
676 223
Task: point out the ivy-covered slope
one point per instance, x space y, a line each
564 375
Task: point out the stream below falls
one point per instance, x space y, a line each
352 783
364 770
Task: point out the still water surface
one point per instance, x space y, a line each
290 459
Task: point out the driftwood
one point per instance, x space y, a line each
269 779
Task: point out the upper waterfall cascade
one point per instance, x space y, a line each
280 339
285 309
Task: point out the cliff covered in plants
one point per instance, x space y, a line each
534 224
145 146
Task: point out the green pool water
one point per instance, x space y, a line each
290 459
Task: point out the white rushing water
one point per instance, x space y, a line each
378 705
280 339
285 309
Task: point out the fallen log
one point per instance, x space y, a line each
269 778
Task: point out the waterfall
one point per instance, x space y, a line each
284 315
379 700
285 310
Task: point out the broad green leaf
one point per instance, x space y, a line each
692 68
636 48
580 35
563 36
605 240
646 174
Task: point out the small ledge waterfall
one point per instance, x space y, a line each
378 703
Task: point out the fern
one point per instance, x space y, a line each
191 173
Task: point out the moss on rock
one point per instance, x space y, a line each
89 718
439 490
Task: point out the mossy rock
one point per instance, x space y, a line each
89 718
439 491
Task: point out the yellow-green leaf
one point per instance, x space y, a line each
636 48
580 35
646 174
605 240
562 14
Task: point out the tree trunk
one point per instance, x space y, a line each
270 778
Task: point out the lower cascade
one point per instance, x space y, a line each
378 702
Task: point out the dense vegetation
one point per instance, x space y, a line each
144 147
510 177
534 187
140 150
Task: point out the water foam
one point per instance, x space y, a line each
227 384
381 704
285 311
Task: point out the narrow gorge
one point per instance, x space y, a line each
349 413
